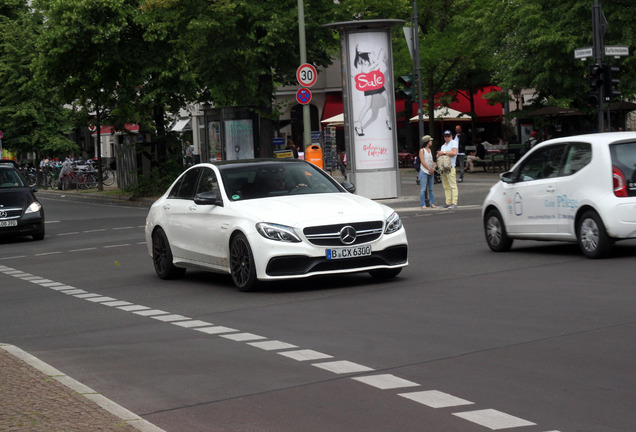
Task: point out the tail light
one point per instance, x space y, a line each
620 185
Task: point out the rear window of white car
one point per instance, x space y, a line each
624 164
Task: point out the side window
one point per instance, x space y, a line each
208 182
542 164
184 188
578 155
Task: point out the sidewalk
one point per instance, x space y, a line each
39 398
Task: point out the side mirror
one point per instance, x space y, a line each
209 198
507 177
350 187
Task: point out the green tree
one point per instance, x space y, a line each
31 116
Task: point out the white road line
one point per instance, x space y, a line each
170 318
435 399
62 288
272 345
494 419
215 330
193 323
13 257
83 250
150 312
48 253
68 233
342 367
100 299
133 308
305 355
117 245
74 292
386 381
87 295
94 230
117 303
123 228
243 337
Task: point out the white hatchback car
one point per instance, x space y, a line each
574 189
271 219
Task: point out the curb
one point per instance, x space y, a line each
108 405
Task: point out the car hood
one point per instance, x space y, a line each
312 209
15 198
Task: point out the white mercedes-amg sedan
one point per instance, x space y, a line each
271 219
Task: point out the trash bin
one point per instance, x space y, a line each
313 154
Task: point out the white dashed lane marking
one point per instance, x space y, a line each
490 418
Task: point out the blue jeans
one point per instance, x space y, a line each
426 183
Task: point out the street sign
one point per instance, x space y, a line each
583 53
303 96
306 75
92 127
616 51
1 135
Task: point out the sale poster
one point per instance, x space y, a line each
371 85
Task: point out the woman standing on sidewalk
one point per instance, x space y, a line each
427 172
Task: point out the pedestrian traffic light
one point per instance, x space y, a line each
596 77
610 82
408 86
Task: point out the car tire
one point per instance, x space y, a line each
592 236
39 235
162 257
495 231
385 273
242 266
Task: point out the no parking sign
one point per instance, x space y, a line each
303 96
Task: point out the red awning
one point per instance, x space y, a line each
333 105
107 130
484 111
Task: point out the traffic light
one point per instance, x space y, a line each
610 82
595 78
408 86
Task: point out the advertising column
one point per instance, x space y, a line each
369 106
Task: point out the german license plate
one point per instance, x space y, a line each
9 223
350 252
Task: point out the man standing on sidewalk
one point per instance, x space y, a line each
462 141
449 180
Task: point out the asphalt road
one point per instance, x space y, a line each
539 339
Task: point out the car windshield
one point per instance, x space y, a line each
264 180
10 178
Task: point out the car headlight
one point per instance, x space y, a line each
393 223
33 208
277 232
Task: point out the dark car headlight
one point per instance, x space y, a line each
33 208
278 232
393 223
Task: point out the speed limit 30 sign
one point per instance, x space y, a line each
306 75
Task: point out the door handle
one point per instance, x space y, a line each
192 208
551 189
166 206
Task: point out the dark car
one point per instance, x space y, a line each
20 211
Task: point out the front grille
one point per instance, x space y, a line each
329 235
10 213
301 265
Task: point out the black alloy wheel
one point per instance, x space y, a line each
242 265
162 257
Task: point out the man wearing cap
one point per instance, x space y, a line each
449 180
426 175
